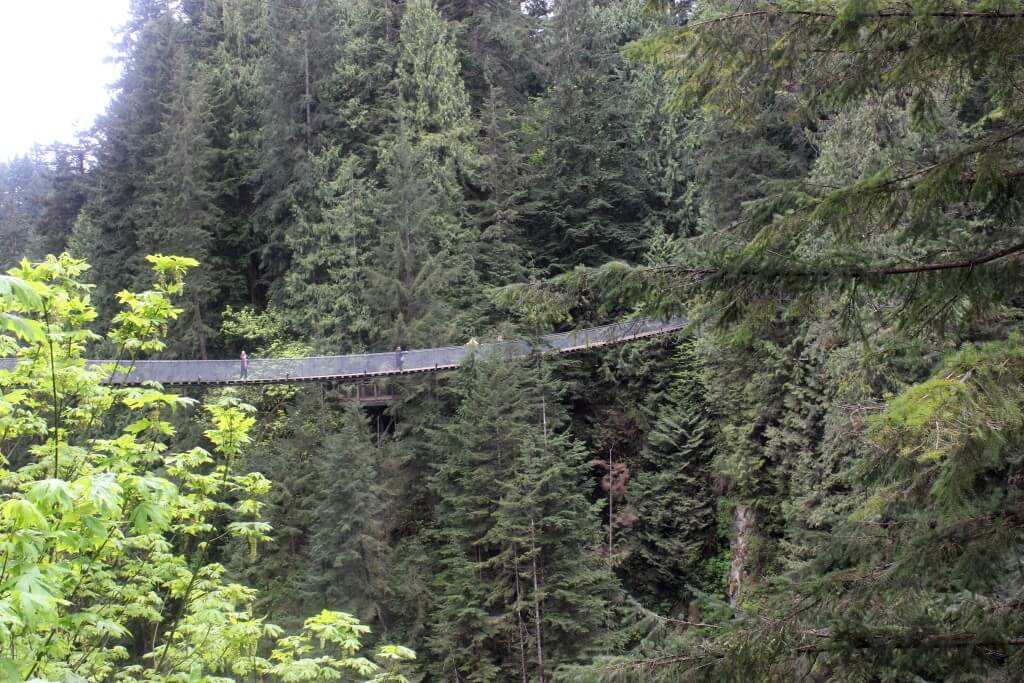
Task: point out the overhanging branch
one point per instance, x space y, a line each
879 15
843 272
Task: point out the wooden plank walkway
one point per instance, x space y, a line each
363 368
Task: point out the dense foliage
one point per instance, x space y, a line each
109 532
821 480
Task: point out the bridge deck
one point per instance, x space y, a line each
368 366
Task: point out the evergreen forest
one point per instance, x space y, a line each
821 478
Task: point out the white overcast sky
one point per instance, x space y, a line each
53 73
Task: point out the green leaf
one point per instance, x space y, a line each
105 493
396 653
52 494
35 598
111 628
9 615
9 670
149 516
23 328
23 514
138 426
22 292
94 529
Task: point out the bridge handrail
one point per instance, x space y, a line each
368 365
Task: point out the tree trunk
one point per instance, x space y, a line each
309 98
533 559
197 323
536 603
743 531
611 502
519 619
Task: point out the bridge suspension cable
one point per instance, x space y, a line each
367 366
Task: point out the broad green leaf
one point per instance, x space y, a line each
139 426
23 328
23 514
9 670
395 652
149 516
35 598
22 292
111 628
105 493
9 615
94 529
51 494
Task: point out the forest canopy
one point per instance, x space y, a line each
821 479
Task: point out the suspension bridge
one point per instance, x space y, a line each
361 368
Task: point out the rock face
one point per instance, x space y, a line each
743 530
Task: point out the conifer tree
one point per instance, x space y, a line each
505 177
66 172
41 194
331 256
468 641
670 489
363 82
409 282
551 561
300 51
349 557
497 45
433 114
968 134
591 195
23 188
423 263
797 444
228 60
116 210
287 452
515 597
432 100
180 214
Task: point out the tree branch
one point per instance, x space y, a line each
880 270
951 265
879 15
936 641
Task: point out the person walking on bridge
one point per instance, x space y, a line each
245 365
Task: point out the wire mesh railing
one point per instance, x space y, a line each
360 366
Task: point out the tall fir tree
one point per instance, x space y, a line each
300 52
349 559
179 211
106 233
591 195
229 57
502 252
498 48
672 493
408 283
514 596
424 255
432 100
331 256
23 190
66 169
